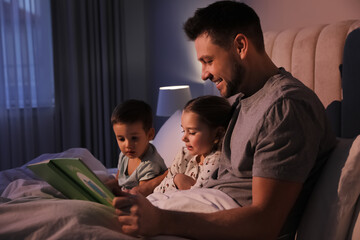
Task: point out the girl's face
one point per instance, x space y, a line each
198 137
132 139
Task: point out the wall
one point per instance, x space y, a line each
170 57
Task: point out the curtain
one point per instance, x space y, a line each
60 78
87 70
26 81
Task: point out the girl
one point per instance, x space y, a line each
204 120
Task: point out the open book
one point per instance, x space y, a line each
74 179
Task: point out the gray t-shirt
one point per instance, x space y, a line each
151 165
280 132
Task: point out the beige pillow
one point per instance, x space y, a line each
332 203
168 139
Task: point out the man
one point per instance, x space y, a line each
276 142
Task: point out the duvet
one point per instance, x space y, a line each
31 209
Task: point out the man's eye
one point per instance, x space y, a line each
121 139
192 133
134 138
206 61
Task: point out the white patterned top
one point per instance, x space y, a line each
186 163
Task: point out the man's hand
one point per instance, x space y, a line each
137 215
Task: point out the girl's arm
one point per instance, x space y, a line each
183 182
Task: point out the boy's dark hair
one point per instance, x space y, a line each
132 111
223 20
212 110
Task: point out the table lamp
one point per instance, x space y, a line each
171 99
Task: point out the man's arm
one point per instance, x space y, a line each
263 219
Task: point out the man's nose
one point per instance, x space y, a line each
205 74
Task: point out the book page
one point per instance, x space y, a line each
84 177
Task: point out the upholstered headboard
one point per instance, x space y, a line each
314 55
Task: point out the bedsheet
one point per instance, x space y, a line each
32 209
10 175
51 218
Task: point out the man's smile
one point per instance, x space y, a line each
218 81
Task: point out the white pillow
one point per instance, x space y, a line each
168 139
332 204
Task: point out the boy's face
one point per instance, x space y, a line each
132 139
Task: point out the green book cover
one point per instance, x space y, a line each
74 179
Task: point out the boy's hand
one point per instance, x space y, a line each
113 185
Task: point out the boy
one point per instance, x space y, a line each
139 160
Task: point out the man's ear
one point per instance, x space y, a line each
151 134
241 43
220 132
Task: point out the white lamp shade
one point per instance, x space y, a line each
172 98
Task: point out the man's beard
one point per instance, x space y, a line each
232 86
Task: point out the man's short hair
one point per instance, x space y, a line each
223 20
132 111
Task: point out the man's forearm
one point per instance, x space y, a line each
272 202
240 223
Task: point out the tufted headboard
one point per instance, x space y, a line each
314 55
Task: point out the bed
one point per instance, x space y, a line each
32 209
